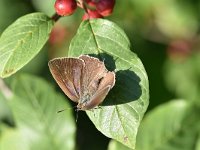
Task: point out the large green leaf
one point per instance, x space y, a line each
114 145
34 108
22 40
171 126
122 111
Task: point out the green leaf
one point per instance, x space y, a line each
170 126
182 77
11 139
22 40
35 107
114 145
123 109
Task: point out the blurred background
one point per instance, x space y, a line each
163 33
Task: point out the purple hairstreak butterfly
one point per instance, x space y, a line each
85 80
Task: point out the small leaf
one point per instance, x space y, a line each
121 112
35 107
114 145
171 126
22 40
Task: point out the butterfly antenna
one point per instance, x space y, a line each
65 109
61 110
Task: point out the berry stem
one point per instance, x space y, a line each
55 17
85 6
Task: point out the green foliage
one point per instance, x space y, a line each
16 9
22 40
28 118
45 6
187 72
175 19
38 126
114 145
122 111
5 114
174 126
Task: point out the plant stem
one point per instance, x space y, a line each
55 17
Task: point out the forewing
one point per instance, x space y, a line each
106 83
107 80
93 71
67 73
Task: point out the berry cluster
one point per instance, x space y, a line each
93 8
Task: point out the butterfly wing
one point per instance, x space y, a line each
108 80
93 71
96 82
95 100
104 87
67 73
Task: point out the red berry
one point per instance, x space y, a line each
58 34
92 14
105 7
65 7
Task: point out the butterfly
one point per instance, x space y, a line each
85 80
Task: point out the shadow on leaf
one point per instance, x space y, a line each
127 87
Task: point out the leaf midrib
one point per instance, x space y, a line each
120 120
98 48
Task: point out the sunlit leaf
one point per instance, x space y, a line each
22 40
121 113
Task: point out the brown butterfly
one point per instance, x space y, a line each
84 80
